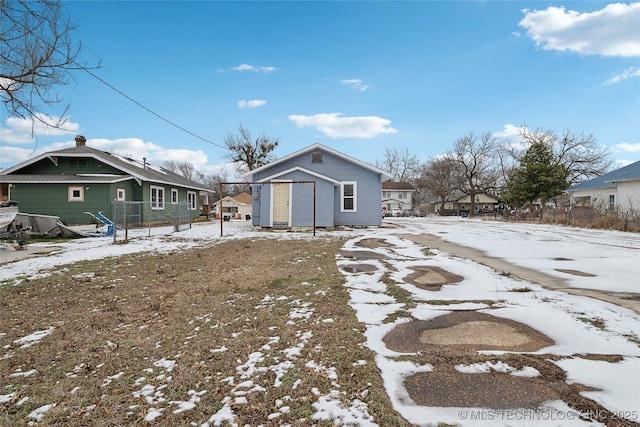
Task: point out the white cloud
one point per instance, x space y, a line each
510 132
247 67
355 83
254 103
12 155
334 125
611 31
626 74
197 158
628 147
134 148
25 131
138 149
512 135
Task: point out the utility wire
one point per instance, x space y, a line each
95 76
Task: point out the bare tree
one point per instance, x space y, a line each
185 169
212 183
248 154
476 160
401 164
37 53
439 177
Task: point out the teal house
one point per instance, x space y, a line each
70 182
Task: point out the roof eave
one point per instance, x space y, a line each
385 176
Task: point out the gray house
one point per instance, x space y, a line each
347 191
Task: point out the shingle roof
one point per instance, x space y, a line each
393 185
385 175
628 173
243 198
131 167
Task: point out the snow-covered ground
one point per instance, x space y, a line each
612 258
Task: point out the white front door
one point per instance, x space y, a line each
281 203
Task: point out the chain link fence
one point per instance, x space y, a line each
137 219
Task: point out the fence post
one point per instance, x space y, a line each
125 221
114 209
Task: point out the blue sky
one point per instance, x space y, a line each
358 76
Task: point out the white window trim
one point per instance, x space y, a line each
191 199
355 196
174 196
122 191
158 206
73 188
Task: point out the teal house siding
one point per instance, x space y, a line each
70 182
331 170
52 199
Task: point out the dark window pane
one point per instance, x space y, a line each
348 204
348 190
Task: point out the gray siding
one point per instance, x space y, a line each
369 201
302 203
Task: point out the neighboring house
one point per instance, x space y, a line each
238 206
459 203
618 190
69 182
347 191
397 195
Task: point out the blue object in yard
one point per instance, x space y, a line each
104 220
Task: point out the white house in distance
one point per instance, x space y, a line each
397 195
234 207
618 190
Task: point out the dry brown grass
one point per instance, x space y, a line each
118 319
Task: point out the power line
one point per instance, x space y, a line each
95 76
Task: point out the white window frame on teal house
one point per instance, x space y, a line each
191 200
344 197
174 196
121 194
156 197
73 189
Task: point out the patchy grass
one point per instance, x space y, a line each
261 327
595 321
521 289
428 252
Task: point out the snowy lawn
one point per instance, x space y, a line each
170 343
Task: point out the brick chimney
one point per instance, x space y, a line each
81 141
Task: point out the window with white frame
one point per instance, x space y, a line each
191 199
76 193
157 197
121 194
612 202
174 196
348 197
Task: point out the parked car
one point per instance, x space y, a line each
396 212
